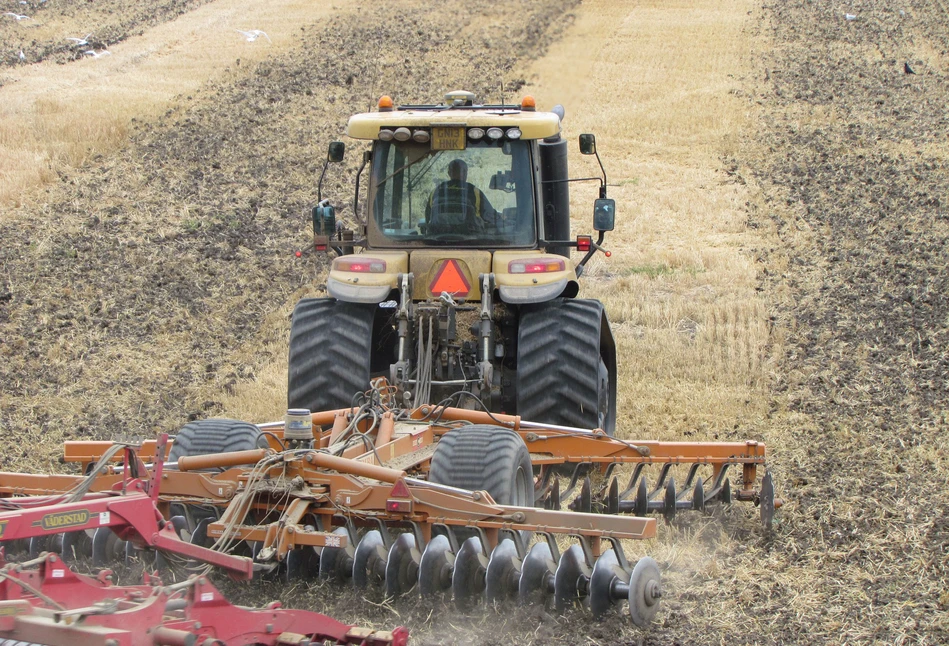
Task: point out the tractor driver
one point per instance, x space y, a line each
456 205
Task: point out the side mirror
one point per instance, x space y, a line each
604 214
501 181
336 151
587 144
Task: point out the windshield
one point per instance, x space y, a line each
480 196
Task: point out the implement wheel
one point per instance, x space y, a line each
330 353
484 457
566 365
209 436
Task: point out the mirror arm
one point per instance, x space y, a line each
593 249
365 160
319 187
602 181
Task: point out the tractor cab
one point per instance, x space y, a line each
463 188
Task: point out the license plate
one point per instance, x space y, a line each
445 138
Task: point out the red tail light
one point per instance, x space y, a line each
360 265
535 265
584 243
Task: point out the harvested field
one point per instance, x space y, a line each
779 270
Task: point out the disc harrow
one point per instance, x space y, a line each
354 501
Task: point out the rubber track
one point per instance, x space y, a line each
481 457
206 436
558 351
330 348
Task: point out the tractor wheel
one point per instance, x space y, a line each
566 365
207 436
484 457
330 353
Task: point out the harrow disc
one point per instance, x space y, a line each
402 566
436 567
77 545
698 496
538 571
40 544
642 498
503 573
644 592
467 579
302 563
606 574
107 548
369 561
337 562
766 496
199 536
571 579
669 503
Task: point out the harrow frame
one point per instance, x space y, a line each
343 500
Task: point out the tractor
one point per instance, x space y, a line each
458 280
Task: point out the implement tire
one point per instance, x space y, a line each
566 365
330 352
210 436
484 457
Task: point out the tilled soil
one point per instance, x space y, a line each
45 33
184 241
852 169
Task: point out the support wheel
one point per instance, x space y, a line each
209 436
484 457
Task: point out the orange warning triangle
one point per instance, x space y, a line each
450 278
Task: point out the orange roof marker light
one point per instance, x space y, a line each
528 103
385 103
450 279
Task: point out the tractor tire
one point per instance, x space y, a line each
330 353
566 365
209 436
484 457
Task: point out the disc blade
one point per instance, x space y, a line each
503 573
766 498
77 545
644 592
537 575
467 579
369 561
100 540
698 496
38 545
337 562
606 571
669 504
571 579
436 567
402 566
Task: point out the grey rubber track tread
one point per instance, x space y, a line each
330 349
482 457
558 353
208 436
